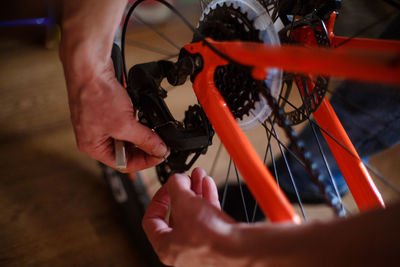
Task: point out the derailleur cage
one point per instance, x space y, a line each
194 134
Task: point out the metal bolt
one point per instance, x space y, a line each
198 61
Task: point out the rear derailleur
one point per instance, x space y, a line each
188 139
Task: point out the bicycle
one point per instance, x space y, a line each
317 26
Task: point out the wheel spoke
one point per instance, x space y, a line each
367 165
214 164
289 171
226 185
364 111
241 194
367 28
268 131
150 48
255 209
156 30
382 178
321 151
292 153
269 148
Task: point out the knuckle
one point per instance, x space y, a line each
85 146
177 179
147 139
164 254
82 146
173 179
115 125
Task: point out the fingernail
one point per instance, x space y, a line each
161 151
166 155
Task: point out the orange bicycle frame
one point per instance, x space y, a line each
359 59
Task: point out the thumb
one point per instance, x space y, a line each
179 187
143 138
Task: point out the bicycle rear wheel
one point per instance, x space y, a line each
208 14
279 147
307 87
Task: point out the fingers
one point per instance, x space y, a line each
210 191
149 141
136 159
179 187
204 186
154 223
192 215
124 126
197 177
145 147
144 138
176 190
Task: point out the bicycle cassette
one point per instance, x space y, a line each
228 20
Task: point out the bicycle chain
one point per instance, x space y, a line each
320 180
311 102
240 101
230 83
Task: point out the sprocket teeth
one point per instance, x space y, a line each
230 80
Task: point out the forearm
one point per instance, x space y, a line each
100 107
88 30
369 239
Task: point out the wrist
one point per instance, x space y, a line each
80 61
264 244
229 245
88 31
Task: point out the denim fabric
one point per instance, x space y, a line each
370 114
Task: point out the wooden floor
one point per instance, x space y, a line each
55 207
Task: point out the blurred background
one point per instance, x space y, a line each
56 210
55 207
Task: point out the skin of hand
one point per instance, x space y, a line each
198 233
100 107
197 229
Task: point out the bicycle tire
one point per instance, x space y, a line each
130 194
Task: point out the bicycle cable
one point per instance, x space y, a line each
185 21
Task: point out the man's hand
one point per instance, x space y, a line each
103 112
198 232
100 107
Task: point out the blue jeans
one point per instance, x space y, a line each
370 114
